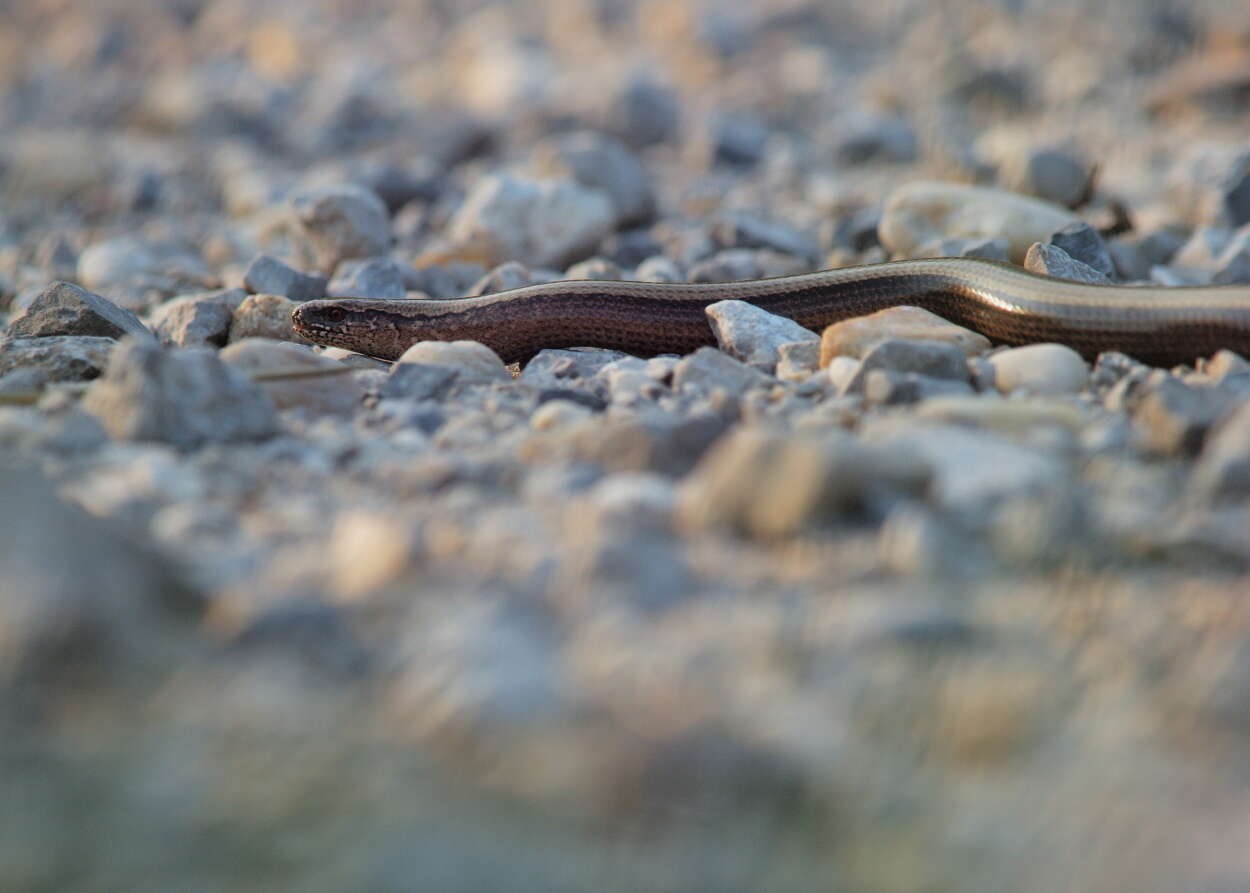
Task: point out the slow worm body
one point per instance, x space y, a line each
1161 326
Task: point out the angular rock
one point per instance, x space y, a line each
921 212
66 309
856 337
798 360
65 358
380 278
416 381
769 484
183 397
336 392
1049 260
753 335
708 369
933 359
1172 418
341 223
552 368
543 223
197 320
1083 243
1040 369
471 360
266 275
265 316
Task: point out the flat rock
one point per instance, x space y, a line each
66 309
1040 369
63 358
708 369
336 392
183 397
753 335
924 211
196 320
856 337
267 275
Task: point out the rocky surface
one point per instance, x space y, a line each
884 607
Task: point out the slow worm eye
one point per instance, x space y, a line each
335 314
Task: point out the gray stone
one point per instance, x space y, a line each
508 275
416 381
1057 176
753 335
658 269
771 484
66 309
798 360
708 370
341 223
644 112
264 316
1083 243
547 223
266 275
886 138
740 229
1172 418
1211 184
738 138
885 387
130 263
600 162
379 278
731 265
555 368
1049 260
197 320
471 360
65 358
183 397
1203 248
930 358
665 443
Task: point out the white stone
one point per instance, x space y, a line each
470 359
753 335
1040 369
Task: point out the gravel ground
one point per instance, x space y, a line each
883 608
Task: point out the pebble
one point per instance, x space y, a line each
389 544
66 309
267 275
341 223
1058 176
1041 369
885 387
1049 260
336 394
127 263
1210 184
183 397
264 316
798 360
595 268
922 212
738 138
659 269
752 335
377 279
986 249
731 265
768 484
644 112
196 320
933 359
857 336
508 275
708 370
558 414
740 229
1083 243
566 368
601 163
1172 418
57 358
471 360
886 138
545 223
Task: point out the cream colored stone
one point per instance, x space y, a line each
1040 369
855 337
470 358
